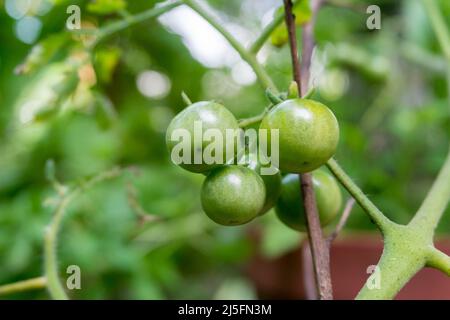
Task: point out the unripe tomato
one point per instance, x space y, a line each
233 195
289 207
211 115
271 182
308 134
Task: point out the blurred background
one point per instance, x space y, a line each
87 112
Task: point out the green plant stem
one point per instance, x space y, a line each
265 34
24 285
267 31
439 260
154 12
252 120
54 284
403 256
439 25
432 208
248 57
418 55
374 213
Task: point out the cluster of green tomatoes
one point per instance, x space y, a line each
234 194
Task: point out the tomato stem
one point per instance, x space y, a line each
24 285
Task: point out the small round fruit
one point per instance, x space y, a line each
308 134
233 195
289 207
272 182
202 116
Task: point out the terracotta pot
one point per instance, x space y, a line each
282 278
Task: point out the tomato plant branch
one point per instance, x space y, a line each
342 221
130 20
265 34
374 213
267 31
248 57
439 25
24 285
54 285
439 260
319 251
432 208
252 120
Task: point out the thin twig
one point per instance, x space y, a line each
319 250
137 208
342 221
54 284
267 31
290 23
24 285
382 222
116 26
261 74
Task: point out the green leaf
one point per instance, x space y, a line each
104 7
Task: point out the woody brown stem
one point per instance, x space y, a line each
319 249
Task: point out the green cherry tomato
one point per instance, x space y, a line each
210 115
308 134
233 195
272 182
289 207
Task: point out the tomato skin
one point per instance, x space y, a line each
233 195
289 207
308 134
271 182
212 116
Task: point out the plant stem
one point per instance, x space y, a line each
439 260
54 285
24 285
290 24
252 120
424 58
374 213
154 12
261 74
319 250
342 221
438 196
432 208
265 34
439 25
403 256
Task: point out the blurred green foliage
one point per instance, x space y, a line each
84 110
